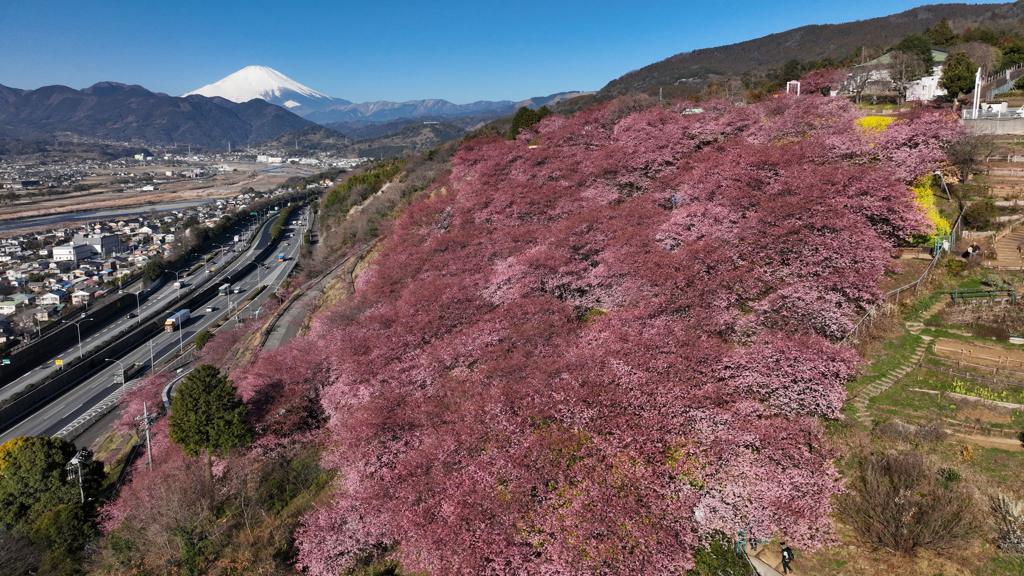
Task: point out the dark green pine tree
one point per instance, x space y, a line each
958 77
207 416
942 34
525 117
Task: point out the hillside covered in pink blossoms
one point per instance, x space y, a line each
586 349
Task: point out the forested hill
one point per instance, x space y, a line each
815 42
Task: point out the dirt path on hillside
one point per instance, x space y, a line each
992 442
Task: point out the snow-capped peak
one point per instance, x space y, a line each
256 82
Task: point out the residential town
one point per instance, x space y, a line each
53 273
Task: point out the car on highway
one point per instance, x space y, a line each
130 315
211 308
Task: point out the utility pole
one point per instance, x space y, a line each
74 469
145 423
152 364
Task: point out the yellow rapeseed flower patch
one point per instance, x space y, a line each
926 203
875 123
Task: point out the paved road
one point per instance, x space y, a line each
80 399
146 306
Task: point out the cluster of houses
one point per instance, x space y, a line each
45 274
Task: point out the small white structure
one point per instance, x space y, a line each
70 252
926 89
53 298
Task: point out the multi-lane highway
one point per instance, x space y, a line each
65 409
144 307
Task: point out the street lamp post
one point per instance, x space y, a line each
78 326
138 307
152 364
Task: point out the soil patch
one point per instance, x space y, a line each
1008 444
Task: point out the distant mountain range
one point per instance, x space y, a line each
272 86
255 105
120 112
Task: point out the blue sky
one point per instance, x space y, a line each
385 49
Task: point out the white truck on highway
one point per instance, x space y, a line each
176 321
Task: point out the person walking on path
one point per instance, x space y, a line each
1020 246
787 557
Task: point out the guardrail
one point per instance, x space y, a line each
985 115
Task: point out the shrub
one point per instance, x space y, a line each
994 281
931 432
898 504
1009 520
981 215
717 557
1020 436
949 476
955 267
896 430
202 339
63 532
20 556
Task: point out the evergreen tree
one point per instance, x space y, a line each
942 34
152 271
526 117
63 532
34 480
980 35
919 45
206 414
958 77
1012 56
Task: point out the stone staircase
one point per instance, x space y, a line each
883 384
1007 256
908 364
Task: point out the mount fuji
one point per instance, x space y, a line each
270 85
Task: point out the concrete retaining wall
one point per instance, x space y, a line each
996 126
